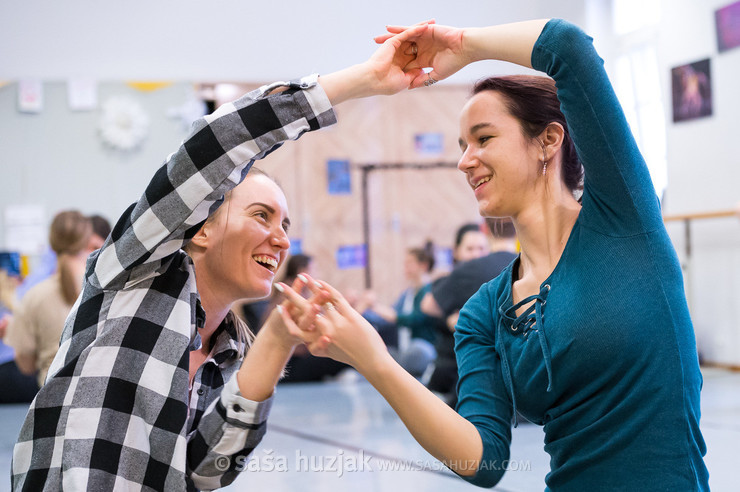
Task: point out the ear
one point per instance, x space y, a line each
552 139
203 235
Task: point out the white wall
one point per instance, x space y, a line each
704 175
226 39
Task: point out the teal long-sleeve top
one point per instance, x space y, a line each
605 359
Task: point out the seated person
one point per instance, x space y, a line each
37 324
416 355
448 294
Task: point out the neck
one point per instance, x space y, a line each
543 229
215 303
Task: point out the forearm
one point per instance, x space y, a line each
438 428
263 366
349 83
506 42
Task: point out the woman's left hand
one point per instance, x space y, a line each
339 332
298 308
386 72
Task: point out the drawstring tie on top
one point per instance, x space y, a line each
530 319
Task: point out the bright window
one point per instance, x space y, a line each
637 82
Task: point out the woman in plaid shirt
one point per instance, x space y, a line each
148 390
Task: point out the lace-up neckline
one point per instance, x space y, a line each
531 319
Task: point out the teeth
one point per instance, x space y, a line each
483 180
266 260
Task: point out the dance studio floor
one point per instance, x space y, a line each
341 436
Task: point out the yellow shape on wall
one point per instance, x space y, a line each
147 86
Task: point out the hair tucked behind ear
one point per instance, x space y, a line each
533 101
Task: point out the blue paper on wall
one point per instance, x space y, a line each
431 144
338 177
354 256
296 246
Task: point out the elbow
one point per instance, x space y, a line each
486 475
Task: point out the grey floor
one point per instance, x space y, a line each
342 436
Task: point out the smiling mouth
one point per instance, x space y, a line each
481 181
266 261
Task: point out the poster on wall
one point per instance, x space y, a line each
727 20
692 91
351 256
338 177
30 96
82 94
429 144
25 229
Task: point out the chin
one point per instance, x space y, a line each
258 292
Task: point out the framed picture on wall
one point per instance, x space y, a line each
692 91
727 20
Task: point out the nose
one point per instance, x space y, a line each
467 160
280 238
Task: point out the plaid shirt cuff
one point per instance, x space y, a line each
239 409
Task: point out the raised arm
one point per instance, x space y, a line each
618 191
224 145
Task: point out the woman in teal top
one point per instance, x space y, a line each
587 332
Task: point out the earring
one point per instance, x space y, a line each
544 158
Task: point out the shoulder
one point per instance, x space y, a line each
41 292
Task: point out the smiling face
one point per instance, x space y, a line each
248 240
500 163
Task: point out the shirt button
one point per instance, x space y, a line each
201 391
237 408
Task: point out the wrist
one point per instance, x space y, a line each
474 45
349 83
275 339
377 366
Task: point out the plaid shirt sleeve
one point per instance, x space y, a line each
226 435
213 160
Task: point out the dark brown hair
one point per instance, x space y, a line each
533 101
424 255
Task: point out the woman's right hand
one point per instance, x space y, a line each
441 48
447 49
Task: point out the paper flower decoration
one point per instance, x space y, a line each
123 124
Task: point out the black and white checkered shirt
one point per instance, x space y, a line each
115 412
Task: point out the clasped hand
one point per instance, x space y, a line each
414 56
330 327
